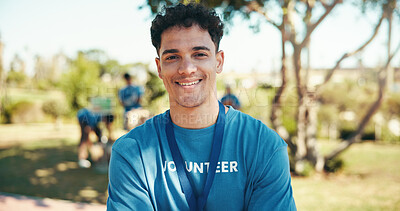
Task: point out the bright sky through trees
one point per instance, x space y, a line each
47 27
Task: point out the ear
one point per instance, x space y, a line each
220 56
158 63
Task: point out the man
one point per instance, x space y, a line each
88 122
199 155
129 97
230 99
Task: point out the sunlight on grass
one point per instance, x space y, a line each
44 172
66 166
370 180
88 192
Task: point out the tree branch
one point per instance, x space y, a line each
254 6
346 55
371 111
312 27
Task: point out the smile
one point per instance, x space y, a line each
189 83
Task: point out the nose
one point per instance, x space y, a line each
187 66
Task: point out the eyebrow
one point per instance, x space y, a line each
197 48
200 48
170 51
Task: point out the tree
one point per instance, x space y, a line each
55 109
78 82
296 21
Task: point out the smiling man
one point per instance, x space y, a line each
200 154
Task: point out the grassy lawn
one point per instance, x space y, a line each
370 179
49 169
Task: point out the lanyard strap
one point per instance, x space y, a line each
197 203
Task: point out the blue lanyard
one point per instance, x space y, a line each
197 203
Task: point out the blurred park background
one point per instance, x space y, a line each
324 74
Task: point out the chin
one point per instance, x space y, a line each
189 102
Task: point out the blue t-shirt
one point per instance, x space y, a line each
129 96
89 118
252 172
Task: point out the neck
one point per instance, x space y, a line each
198 117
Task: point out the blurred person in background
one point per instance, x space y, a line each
129 97
89 122
230 99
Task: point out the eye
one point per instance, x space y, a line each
200 55
171 58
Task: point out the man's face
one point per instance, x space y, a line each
188 65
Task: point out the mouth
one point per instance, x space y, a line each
189 83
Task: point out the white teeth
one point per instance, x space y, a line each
189 84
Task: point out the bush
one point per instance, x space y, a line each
26 112
54 108
6 111
334 165
14 77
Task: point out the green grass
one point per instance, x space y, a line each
49 169
33 95
370 180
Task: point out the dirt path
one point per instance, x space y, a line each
23 203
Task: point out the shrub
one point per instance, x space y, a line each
54 108
334 165
26 112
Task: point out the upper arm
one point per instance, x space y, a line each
127 187
272 189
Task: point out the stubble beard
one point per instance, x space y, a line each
191 100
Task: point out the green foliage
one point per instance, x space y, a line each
79 81
154 87
44 84
16 77
54 108
343 96
290 124
392 105
308 170
334 165
24 112
289 109
328 113
389 137
6 110
386 5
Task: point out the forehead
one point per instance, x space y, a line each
179 37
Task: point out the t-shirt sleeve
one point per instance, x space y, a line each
272 188
127 188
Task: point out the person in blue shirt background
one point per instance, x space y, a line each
88 122
230 99
129 97
199 154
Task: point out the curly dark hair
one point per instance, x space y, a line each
185 16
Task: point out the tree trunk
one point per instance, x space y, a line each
302 116
276 111
313 155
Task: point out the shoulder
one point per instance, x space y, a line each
81 112
252 129
143 136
